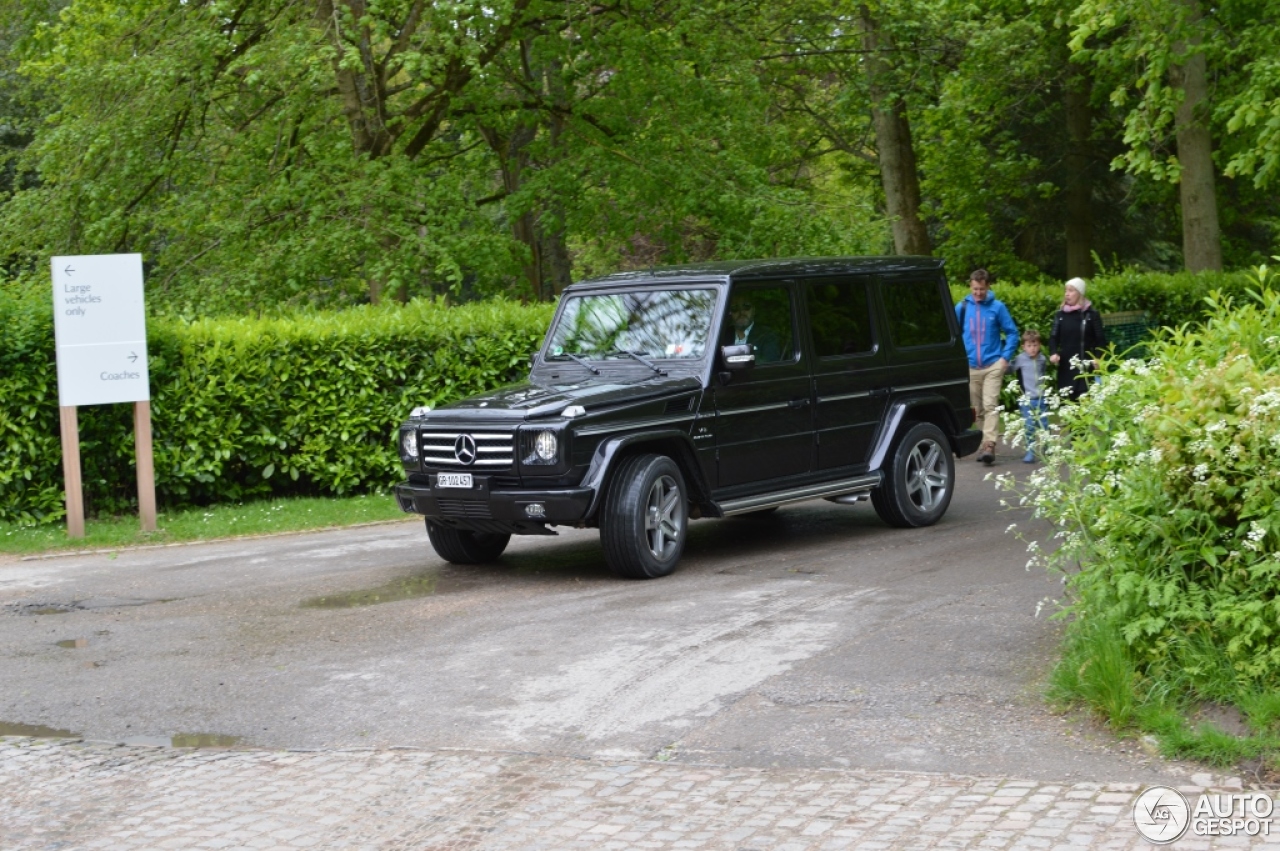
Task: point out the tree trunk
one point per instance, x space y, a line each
1201 237
901 183
897 157
557 271
512 161
1079 184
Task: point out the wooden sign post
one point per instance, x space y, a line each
99 322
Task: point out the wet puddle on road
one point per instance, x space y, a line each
575 564
177 740
406 588
50 607
8 728
185 740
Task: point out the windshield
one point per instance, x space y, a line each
649 323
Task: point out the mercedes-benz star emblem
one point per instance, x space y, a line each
464 449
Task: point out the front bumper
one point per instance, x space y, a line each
484 509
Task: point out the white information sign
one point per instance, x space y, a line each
100 328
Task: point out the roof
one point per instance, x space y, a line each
785 267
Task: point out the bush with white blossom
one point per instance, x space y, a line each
1162 486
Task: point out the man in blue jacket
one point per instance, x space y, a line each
991 339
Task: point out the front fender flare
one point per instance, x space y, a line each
672 442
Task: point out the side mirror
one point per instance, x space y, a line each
738 358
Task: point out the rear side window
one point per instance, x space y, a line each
917 313
840 314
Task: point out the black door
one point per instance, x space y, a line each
849 376
764 416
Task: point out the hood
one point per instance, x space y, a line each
530 400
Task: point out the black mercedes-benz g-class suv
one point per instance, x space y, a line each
708 390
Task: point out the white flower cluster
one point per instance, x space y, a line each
1253 541
1264 403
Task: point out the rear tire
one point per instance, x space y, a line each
459 546
919 478
645 518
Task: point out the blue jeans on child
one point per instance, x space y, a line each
1034 417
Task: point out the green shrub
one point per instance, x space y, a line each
30 464
1162 482
1170 300
252 407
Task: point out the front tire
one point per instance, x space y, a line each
919 478
645 518
459 546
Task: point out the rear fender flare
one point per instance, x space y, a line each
932 409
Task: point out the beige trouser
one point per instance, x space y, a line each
984 395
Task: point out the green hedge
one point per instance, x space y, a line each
1169 300
251 407
308 404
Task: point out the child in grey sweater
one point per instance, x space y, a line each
1030 366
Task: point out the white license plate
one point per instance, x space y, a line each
453 480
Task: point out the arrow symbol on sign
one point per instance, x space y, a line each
68 271
133 356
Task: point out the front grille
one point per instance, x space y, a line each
464 508
495 450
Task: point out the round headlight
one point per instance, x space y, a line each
544 445
409 443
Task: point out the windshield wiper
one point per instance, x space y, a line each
644 360
575 359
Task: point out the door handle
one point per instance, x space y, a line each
881 392
798 403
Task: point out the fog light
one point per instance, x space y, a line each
535 509
545 446
409 443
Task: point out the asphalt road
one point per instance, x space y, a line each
813 638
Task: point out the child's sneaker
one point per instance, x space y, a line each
1029 458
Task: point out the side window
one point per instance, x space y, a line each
840 314
762 317
916 312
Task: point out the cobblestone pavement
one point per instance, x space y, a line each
68 794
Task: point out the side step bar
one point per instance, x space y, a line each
844 487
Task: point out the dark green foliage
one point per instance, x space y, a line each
252 408
30 476
1168 300
308 404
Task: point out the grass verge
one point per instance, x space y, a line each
200 524
1216 722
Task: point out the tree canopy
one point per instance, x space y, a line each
263 154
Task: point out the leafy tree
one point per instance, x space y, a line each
272 152
20 103
1188 71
